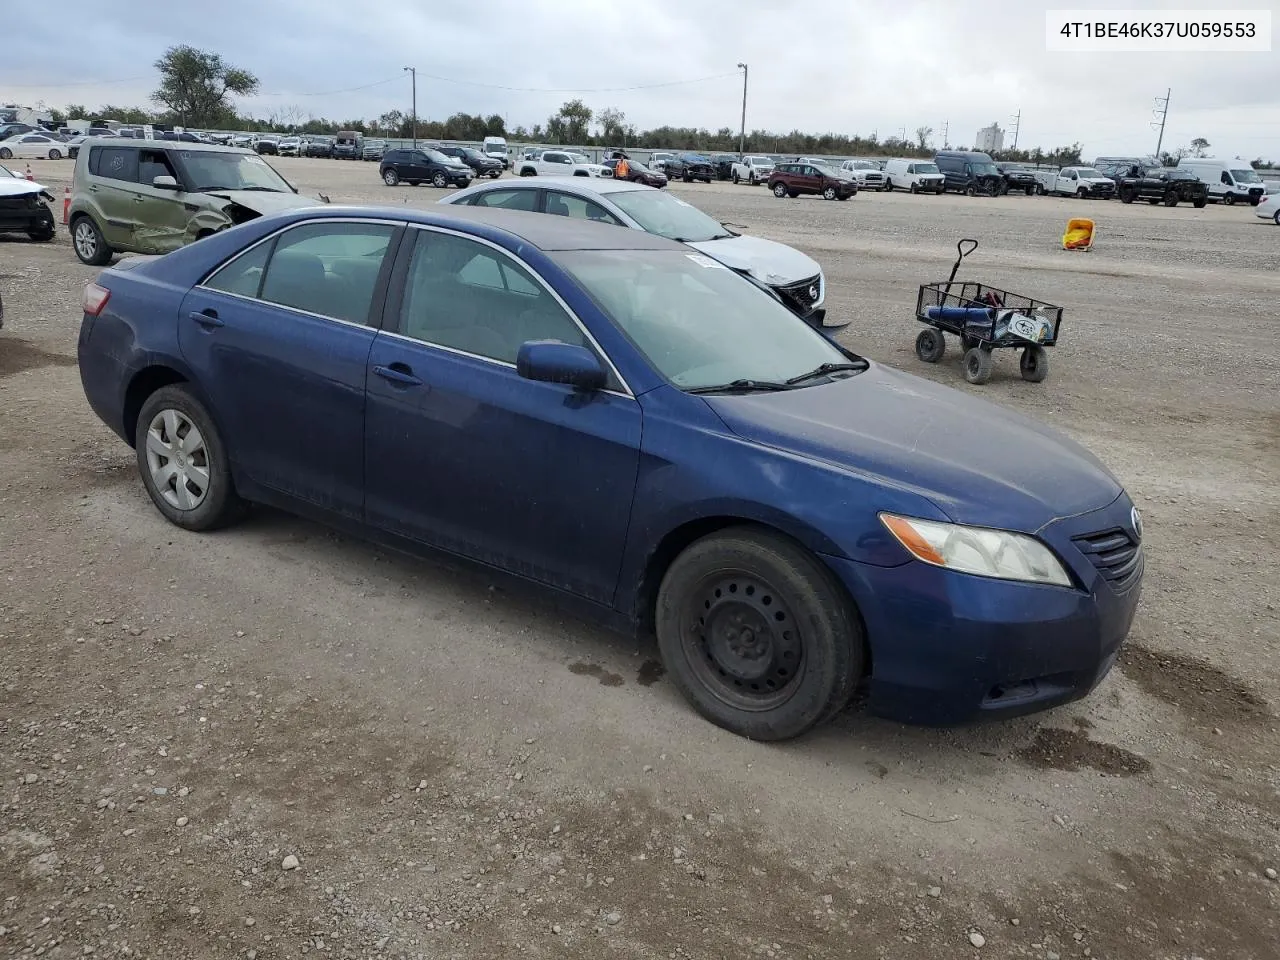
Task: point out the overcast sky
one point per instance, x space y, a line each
854 66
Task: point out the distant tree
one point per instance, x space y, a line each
571 124
196 85
1199 145
76 111
922 137
613 124
495 126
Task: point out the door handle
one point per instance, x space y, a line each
398 373
207 318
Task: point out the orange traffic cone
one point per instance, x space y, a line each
29 175
66 205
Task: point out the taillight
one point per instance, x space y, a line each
95 298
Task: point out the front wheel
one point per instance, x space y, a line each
758 634
440 181
1171 200
1040 190
734 178
888 187
1199 204
1029 191
779 190
42 233
930 345
1034 364
829 193
970 192
1128 196
6 153
528 172
89 243
183 462
978 364
914 188
390 178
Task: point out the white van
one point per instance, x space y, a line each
916 176
496 147
1228 180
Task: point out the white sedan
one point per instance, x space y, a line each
1269 208
32 146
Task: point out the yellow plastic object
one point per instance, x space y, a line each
1079 234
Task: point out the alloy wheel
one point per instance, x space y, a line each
86 240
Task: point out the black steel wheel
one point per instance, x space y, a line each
930 345
758 634
978 364
1034 364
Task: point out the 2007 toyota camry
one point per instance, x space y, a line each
633 425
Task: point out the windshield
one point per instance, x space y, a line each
985 169
495 148
1090 172
696 321
668 216
1245 176
926 168
760 161
210 170
435 156
864 165
579 158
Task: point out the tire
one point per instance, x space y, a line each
55 154
1171 200
42 234
89 243
1030 190
888 187
1229 199
199 494
751 179
439 181
390 177
779 190
792 194
785 682
978 364
1040 190
686 178
970 191
1199 204
734 178
1275 216
930 345
1034 364
6 153
829 193
528 172
914 188
1128 196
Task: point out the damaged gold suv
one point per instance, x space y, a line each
154 196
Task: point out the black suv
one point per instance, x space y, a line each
423 165
1168 186
1017 178
689 167
318 147
483 164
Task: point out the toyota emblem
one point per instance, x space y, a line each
1136 517
813 292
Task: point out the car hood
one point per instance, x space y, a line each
768 261
1096 180
14 187
259 201
980 463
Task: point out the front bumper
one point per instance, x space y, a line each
26 219
461 179
948 648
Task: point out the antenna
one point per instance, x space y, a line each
1017 124
1161 110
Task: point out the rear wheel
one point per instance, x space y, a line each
978 364
969 191
1034 364
930 345
888 186
528 172
792 194
1199 204
439 180
6 153
758 634
1128 196
829 193
1030 191
1171 200
390 177
55 154
1229 199
89 243
183 462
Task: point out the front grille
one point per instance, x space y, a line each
802 295
1115 554
27 201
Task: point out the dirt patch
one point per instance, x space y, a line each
1201 691
606 678
17 356
1056 749
650 672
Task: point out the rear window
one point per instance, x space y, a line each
114 163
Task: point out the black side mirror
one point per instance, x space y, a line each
551 361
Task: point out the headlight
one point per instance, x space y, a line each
978 550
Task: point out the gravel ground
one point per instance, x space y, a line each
275 742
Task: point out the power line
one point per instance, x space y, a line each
642 86
78 83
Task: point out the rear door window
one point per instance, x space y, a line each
508 200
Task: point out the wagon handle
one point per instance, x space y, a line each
964 252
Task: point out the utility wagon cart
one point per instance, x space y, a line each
985 319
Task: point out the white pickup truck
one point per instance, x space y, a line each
751 169
1083 182
561 163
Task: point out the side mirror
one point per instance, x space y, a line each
551 361
165 183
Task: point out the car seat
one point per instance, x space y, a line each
557 206
297 279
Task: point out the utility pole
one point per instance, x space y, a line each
946 125
742 133
413 74
1163 111
1017 125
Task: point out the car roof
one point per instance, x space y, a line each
582 186
184 145
545 232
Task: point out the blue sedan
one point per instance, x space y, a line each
632 425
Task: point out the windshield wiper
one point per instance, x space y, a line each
262 189
746 386
823 369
